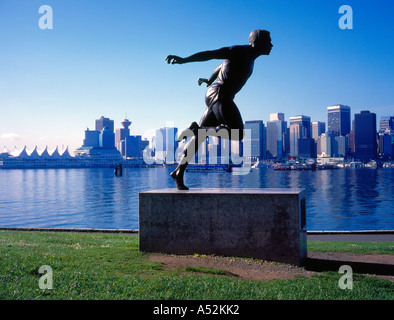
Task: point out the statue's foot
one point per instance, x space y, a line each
178 180
186 133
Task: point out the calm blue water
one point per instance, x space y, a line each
343 199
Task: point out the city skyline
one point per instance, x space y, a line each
108 58
265 136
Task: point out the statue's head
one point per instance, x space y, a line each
261 40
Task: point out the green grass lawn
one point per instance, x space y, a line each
95 266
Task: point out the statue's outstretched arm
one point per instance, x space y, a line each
211 79
222 53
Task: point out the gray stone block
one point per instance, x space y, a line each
266 224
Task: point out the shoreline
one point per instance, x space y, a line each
312 232
324 235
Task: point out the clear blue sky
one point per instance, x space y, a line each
106 58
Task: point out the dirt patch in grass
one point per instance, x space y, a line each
249 269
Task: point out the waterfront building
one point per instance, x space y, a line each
300 128
365 135
386 138
306 148
305 123
166 144
386 144
295 135
104 122
21 154
276 136
55 154
97 150
107 138
38 159
340 146
352 144
325 145
130 146
317 129
45 154
92 138
286 142
386 123
5 154
213 150
338 119
99 143
257 141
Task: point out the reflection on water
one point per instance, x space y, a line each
343 199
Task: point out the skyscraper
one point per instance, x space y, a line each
276 129
386 144
317 129
100 143
107 138
338 119
300 128
104 122
340 146
325 144
365 135
295 134
386 137
386 123
92 138
166 144
257 138
305 122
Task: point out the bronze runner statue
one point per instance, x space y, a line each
221 113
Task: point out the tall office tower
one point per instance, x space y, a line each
295 134
386 144
107 138
92 138
386 123
104 122
275 132
338 119
305 122
131 147
300 145
166 144
386 137
317 129
172 144
160 144
300 128
352 145
257 140
365 135
306 148
340 146
325 143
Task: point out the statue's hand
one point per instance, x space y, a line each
203 80
174 59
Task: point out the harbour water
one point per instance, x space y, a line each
341 199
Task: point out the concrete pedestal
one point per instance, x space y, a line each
266 224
